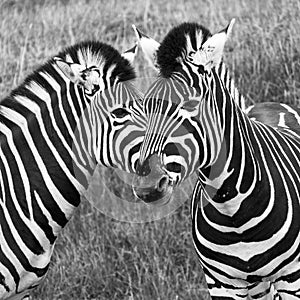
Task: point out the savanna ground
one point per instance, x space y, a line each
97 257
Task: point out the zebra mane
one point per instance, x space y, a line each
89 53
174 44
93 53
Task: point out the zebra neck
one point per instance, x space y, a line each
231 179
229 83
46 161
232 172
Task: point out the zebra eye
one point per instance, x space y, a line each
192 53
120 112
191 105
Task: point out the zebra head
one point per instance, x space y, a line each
112 120
179 138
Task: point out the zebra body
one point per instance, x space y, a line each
245 205
78 110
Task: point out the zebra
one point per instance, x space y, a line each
79 109
247 235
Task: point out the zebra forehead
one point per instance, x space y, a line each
194 40
169 90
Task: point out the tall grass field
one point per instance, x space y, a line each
98 257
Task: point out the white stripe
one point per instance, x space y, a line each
57 88
56 228
21 169
18 119
32 106
282 120
44 96
292 111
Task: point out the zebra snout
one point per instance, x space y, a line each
152 184
156 193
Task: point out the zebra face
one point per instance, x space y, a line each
167 155
179 107
119 126
113 121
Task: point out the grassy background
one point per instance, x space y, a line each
100 258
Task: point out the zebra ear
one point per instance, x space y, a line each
130 54
149 47
72 71
212 50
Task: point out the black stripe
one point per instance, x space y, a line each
17 250
28 238
11 268
41 220
2 282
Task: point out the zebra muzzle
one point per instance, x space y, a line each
151 184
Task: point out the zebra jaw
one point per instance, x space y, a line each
151 195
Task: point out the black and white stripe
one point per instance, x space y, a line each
245 206
78 110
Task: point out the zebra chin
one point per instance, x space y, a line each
158 195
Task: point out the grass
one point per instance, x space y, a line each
97 257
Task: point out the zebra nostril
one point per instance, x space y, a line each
163 183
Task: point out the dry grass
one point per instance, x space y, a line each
100 258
